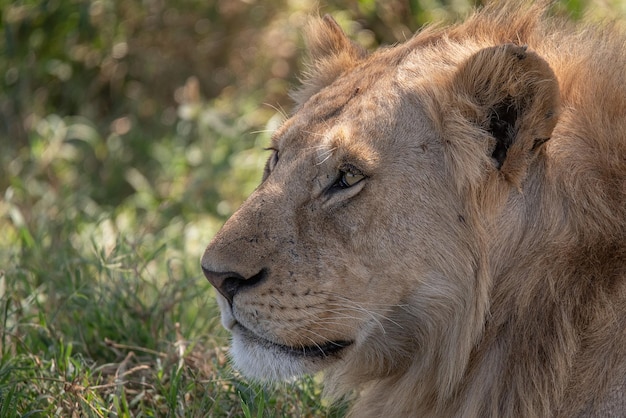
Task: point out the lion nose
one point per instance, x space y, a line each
230 283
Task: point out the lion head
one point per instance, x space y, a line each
398 206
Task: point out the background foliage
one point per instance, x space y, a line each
129 131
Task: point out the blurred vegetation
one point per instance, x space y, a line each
128 132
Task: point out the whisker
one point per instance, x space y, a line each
386 308
262 131
387 305
375 316
278 109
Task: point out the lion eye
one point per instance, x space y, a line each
273 160
271 163
349 179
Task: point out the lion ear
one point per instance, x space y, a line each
512 94
330 52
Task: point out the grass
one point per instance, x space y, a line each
103 308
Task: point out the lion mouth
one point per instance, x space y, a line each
328 349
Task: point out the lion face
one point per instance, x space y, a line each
303 266
357 247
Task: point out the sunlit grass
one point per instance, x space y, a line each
103 308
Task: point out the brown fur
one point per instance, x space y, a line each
479 268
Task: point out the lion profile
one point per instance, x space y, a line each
441 226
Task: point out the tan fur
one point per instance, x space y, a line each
470 280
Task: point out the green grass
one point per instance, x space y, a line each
103 308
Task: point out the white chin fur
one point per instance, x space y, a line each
265 362
256 361
262 360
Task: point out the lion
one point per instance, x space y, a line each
441 225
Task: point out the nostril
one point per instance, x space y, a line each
226 283
257 278
229 283
230 286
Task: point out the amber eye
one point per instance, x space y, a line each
349 179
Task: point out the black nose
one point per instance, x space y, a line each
229 283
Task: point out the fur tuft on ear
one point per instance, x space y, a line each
325 38
512 94
331 53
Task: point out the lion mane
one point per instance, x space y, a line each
441 226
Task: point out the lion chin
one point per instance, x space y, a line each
262 359
441 224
